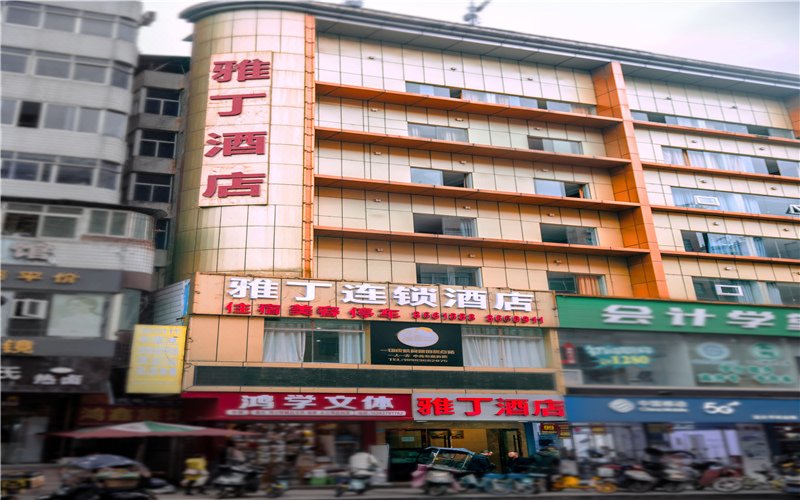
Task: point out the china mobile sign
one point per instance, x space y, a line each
304 406
689 317
236 154
299 298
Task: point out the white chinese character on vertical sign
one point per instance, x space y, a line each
751 319
44 379
463 299
377 403
254 288
71 379
311 290
628 315
340 402
300 401
10 373
679 316
513 301
32 251
793 322
415 296
364 294
263 401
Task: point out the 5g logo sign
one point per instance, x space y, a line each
712 408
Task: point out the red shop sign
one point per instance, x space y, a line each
302 406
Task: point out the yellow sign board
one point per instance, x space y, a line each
156 359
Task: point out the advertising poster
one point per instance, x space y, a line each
156 359
415 344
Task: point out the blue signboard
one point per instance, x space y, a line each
701 410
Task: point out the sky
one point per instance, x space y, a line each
760 34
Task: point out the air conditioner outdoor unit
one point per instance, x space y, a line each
706 200
573 377
729 290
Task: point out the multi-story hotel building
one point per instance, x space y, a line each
398 229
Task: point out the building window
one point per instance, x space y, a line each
437 132
155 188
29 114
503 347
60 169
784 293
31 220
528 102
735 202
98 26
24 14
8 110
14 60
67 66
573 235
29 309
561 188
435 274
440 177
443 224
60 19
313 341
157 143
162 101
578 284
70 20
725 290
739 128
734 244
731 162
555 145
434 90
161 234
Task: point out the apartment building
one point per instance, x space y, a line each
403 233
76 258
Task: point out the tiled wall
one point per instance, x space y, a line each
392 119
651 141
707 103
669 227
394 164
354 209
367 63
660 183
680 270
360 260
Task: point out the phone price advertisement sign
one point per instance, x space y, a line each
718 410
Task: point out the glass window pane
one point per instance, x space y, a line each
52 67
29 114
126 31
88 120
16 224
118 222
120 77
784 293
152 106
107 179
549 188
58 21
14 63
98 222
426 176
115 124
59 227
74 175
97 27
171 108
20 170
90 73
60 117
18 14
8 111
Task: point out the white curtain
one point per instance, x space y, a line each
507 352
350 347
287 346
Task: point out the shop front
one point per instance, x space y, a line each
707 366
309 435
499 422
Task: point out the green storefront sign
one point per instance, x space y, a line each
662 316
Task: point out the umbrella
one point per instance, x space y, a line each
148 429
98 461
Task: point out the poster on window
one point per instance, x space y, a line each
415 344
76 315
746 363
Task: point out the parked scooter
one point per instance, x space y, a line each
632 477
356 482
236 480
718 476
670 476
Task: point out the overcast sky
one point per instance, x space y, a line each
756 33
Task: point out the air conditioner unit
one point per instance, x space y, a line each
793 210
706 200
29 309
573 377
729 290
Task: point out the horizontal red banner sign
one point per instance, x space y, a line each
304 406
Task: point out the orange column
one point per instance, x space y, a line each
793 106
638 230
308 149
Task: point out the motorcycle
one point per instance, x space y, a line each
102 477
357 482
719 477
670 476
236 480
